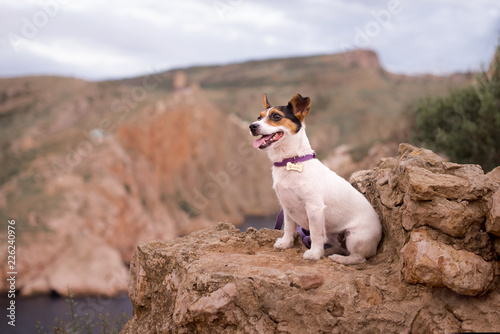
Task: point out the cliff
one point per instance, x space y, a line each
437 269
90 177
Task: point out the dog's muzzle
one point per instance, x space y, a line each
253 128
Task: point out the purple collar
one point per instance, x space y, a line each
295 160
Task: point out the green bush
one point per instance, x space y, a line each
466 124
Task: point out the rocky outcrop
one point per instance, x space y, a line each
443 209
225 281
426 278
366 59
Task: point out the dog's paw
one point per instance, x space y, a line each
351 259
337 258
313 254
281 243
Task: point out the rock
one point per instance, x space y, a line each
431 319
496 246
493 220
438 265
215 302
451 217
86 266
423 184
494 175
308 282
366 59
455 184
221 280
420 189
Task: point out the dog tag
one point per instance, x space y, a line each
296 167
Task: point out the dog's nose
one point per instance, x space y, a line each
253 127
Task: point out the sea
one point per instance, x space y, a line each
38 314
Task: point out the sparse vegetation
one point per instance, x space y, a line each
465 124
188 208
85 324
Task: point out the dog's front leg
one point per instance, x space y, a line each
316 217
289 235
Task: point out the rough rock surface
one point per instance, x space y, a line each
431 262
493 221
419 191
426 278
225 281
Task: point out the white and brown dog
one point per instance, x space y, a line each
340 220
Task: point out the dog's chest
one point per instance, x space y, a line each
291 193
288 196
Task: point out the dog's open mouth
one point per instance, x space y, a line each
266 141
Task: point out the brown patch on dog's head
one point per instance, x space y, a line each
262 115
290 116
300 105
283 116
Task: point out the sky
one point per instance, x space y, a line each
99 39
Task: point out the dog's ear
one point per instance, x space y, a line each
265 102
301 106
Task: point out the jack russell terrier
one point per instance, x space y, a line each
339 219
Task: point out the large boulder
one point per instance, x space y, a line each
84 266
419 189
436 270
221 280
436 264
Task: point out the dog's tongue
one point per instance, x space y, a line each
258 142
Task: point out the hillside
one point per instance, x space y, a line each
89 173
354 100
89 169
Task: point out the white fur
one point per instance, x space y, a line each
320 201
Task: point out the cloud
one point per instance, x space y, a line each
94 39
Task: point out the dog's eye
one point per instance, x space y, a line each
276 117
259 118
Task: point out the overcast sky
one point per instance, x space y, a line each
99 39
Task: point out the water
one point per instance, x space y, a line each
30 310
258 222
46 309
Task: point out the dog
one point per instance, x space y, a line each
311 195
